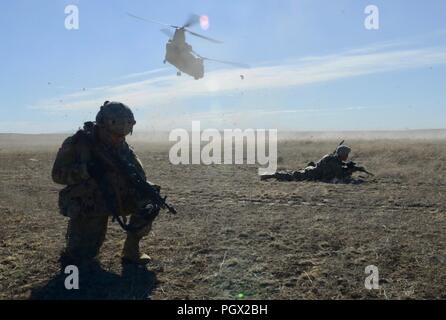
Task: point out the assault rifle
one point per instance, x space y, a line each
352 167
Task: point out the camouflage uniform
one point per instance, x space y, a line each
327 169
82 201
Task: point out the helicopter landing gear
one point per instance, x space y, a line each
178 73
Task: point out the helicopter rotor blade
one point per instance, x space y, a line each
203 37
231 63
152 21
192 20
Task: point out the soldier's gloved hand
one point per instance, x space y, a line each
351 164
157 187
149 212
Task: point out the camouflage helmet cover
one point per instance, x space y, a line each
343 150
116 118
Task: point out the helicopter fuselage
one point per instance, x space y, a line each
179 54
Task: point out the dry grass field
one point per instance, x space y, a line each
235 235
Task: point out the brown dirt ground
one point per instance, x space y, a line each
236 235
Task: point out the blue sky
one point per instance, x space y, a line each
314 66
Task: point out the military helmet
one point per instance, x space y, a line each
343 150
116 118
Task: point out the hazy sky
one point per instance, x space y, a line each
314 65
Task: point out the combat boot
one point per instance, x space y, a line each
267 177
89 264
131 253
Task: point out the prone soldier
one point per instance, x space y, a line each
331 167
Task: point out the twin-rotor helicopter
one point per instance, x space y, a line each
180 54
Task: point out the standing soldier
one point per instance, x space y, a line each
84 199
